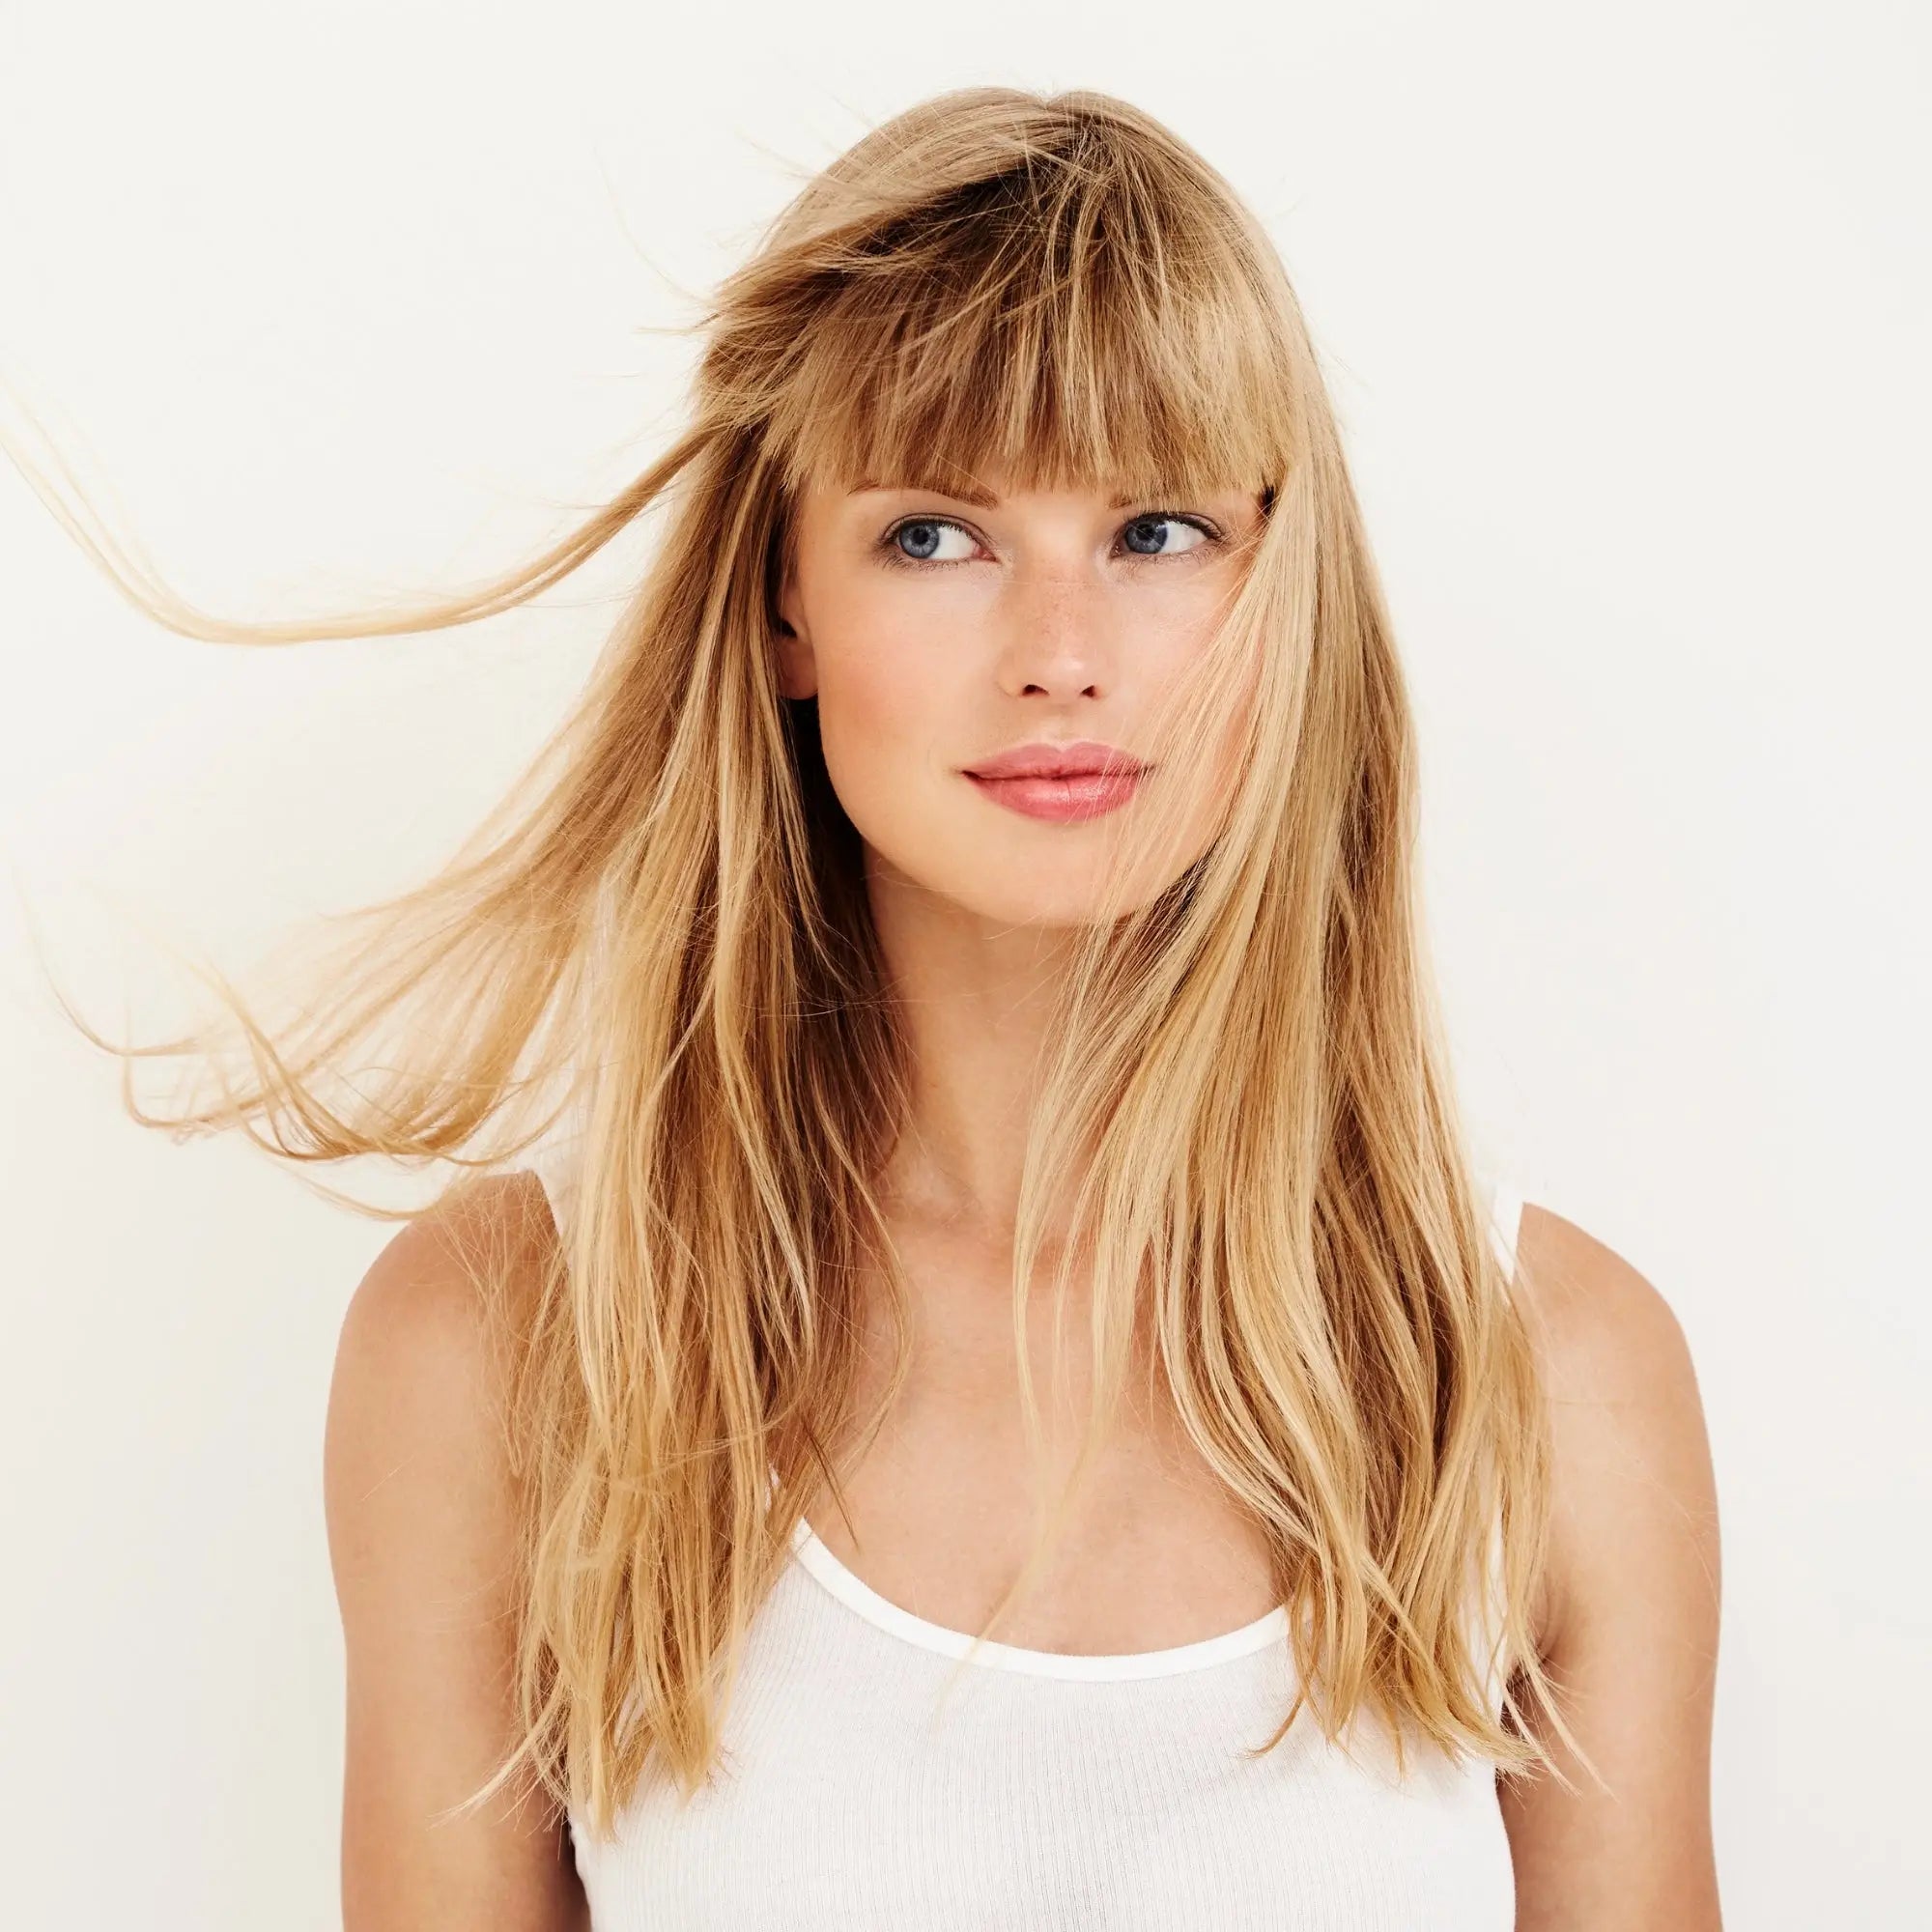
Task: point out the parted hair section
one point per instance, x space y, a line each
660 936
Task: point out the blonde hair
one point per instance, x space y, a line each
663 929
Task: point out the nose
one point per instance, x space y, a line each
1056 636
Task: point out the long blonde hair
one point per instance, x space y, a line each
663 931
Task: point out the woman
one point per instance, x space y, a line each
965 942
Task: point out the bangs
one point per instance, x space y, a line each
1063 324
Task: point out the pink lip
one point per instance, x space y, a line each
1082 780
1041 759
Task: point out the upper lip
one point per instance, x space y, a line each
1043 760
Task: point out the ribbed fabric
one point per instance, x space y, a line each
1049 1793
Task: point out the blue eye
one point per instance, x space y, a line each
920 538
1143 535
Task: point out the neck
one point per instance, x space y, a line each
978 997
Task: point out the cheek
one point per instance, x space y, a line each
1226 690
886 702
1178 656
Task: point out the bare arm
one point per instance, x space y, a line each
1632 1636
422 1516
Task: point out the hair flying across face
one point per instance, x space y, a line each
663 935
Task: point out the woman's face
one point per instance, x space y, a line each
938 631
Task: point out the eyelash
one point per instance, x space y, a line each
890 552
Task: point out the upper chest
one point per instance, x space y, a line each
938 1500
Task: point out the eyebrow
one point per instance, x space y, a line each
968 494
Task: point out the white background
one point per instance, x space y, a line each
1625 313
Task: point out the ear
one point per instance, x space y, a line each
798 669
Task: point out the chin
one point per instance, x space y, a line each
1013 898
1008 886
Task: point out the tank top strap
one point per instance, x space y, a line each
553 1162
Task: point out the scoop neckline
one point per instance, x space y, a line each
816 1557
859 1595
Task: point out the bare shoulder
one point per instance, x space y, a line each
423 1519
417 1391
1632 1452
1631 1633
417 1331
1606 1333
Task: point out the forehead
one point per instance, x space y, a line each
989 492
973 472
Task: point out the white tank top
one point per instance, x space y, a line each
1052 1793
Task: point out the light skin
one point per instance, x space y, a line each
1039 629
1054 615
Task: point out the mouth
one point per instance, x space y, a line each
1084 758
1060 782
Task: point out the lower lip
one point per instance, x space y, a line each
1086 795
